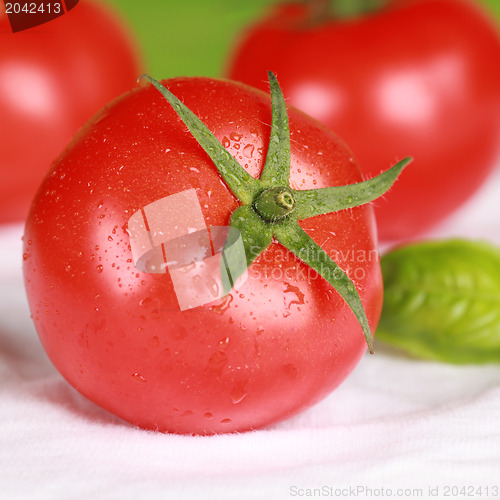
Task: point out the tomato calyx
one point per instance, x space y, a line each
271 209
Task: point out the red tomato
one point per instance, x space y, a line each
419 78
53 78
280 342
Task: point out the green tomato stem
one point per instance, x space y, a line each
324 10
275 203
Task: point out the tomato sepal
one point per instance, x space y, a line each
241 183
313 202
256 234
276 170
295 239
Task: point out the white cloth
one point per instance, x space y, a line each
397 427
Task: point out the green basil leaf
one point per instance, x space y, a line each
442 301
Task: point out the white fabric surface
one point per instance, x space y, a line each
396 423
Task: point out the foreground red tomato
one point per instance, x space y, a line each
280 342
421 77
53 78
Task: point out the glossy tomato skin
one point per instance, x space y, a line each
420 78
280 342
53 78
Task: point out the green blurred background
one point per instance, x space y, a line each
194 37
187 37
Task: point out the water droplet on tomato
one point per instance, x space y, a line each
208 415
138 377
146 301
238 393
225 421
224 343
99 268
248 150
299 300
223 305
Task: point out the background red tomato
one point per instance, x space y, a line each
276 345
420 78
53 78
